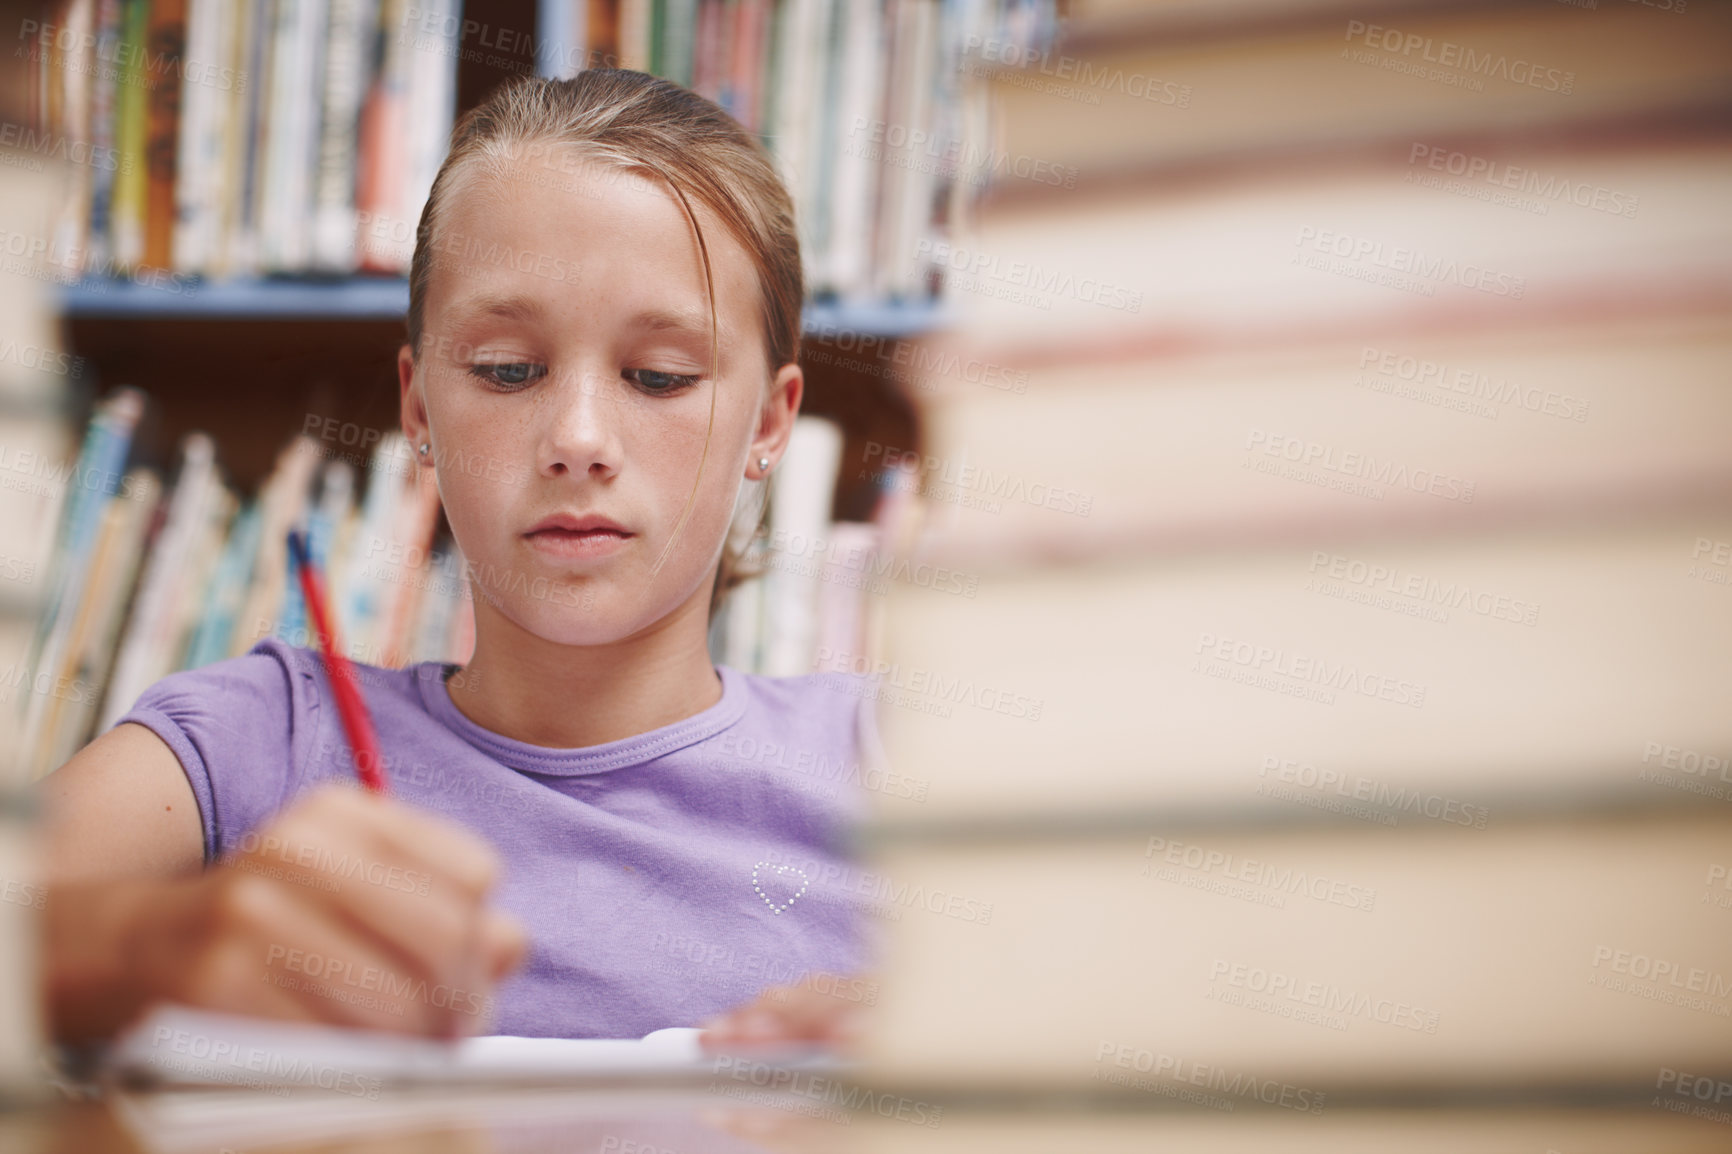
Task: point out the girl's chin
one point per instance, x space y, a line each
595 614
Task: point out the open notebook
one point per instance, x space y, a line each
176 1045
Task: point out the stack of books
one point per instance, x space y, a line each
35 431
1341 713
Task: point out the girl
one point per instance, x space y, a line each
605 311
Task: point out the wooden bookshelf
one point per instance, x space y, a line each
250 360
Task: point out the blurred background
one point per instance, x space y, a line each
1274 457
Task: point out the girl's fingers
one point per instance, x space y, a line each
785 1014
408 927
270 942
418 844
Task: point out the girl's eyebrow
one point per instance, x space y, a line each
659 319
510 307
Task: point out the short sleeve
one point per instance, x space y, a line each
241 729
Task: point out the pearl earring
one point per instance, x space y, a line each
425 447
763 464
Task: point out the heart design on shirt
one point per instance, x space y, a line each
778 880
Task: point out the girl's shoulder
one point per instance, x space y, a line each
247 729
817 711
273 680
822 694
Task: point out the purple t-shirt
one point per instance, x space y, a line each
662 878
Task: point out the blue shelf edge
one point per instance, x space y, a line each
387 298
172 297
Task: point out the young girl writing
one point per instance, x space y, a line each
605 308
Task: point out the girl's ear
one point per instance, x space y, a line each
412 405
776 420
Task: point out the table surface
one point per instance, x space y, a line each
716 1119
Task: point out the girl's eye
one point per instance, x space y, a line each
508 376
653 381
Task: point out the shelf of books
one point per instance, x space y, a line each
206 182
244 181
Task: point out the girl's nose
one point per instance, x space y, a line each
579 426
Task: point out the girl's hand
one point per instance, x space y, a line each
347 909
789 1015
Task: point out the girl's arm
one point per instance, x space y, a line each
275 930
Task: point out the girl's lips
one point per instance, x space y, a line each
563 540
574 524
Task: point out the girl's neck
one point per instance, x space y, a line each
533 690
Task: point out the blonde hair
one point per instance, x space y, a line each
640 124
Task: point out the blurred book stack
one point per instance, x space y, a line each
232 139
37 379
1341 713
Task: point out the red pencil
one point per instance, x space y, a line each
351 706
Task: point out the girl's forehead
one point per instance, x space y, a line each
595 228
